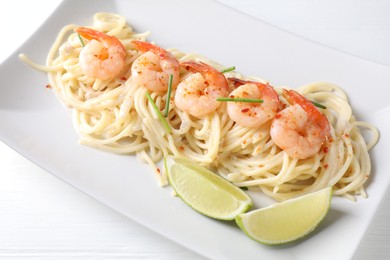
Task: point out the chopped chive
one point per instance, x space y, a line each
244 188
160 116
318 105
168 95
81 40
250 100
228 69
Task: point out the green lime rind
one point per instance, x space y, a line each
205 191
286 221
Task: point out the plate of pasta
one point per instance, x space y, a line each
110 92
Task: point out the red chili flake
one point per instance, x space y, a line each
244 110
346 135
123 78
326 149
48 86
278 116
326 165
158 170
181 148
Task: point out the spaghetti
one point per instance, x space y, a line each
115 115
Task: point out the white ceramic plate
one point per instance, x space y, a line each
35 124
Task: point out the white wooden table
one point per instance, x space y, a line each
43 218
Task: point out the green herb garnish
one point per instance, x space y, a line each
249 100
318 105
168 95
228 69
160 116
81 40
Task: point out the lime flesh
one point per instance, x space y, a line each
205 191
286 221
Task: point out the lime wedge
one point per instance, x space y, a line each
286 221
205 191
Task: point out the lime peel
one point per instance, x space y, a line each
205 191
286 221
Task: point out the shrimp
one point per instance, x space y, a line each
103 57
252 114
152 69
300 129
197 94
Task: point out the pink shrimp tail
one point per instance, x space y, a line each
293 97
266 88
238 82
200 67
147 46
143 46
91 34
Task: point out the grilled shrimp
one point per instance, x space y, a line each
153 67
197 94
300 129
103 57
252 114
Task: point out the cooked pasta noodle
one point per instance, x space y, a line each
115 115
